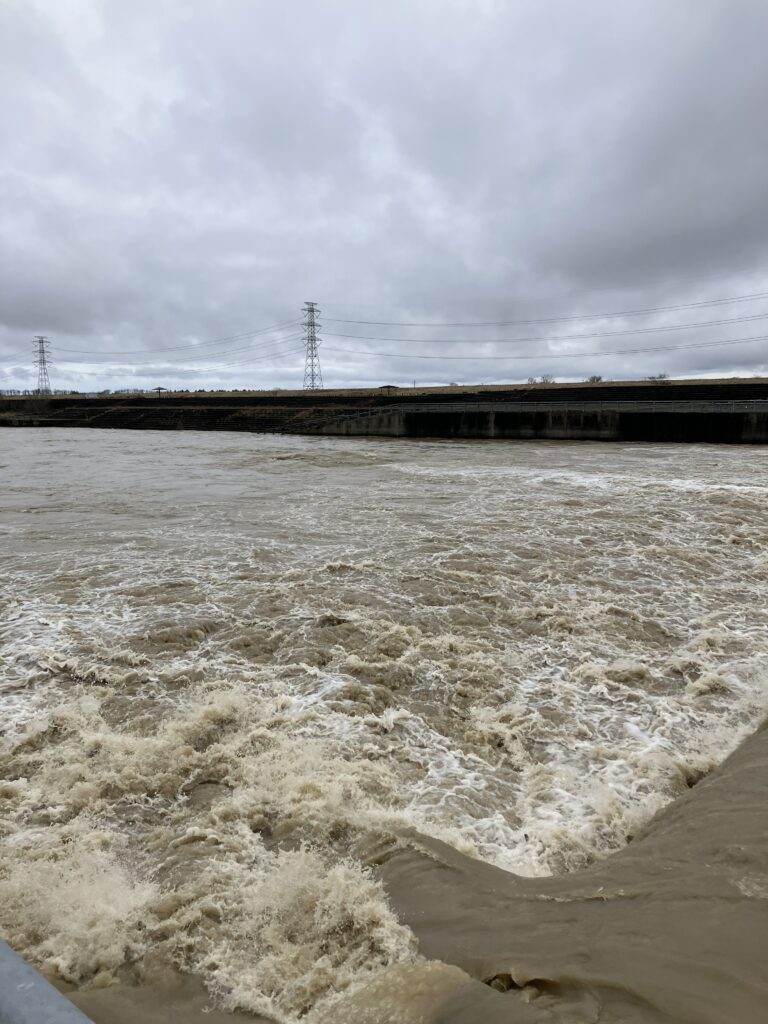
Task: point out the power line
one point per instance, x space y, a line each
553 337
559 355
237 351
23 354
269 343
160 365
553 319
179 348
159 361
144 368
257 359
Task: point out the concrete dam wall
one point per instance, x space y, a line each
717 423
733 412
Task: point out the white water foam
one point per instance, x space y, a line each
228 663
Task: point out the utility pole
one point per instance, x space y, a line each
313 378
42 347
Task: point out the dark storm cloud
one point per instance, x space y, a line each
179 172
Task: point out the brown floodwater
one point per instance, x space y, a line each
339 729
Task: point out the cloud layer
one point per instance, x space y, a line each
185 172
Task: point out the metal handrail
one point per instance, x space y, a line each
27 998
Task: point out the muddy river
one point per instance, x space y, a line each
242 676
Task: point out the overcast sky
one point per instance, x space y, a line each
179 172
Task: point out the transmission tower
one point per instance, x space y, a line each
313 378
42 359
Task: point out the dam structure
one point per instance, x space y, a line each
713 422
729 411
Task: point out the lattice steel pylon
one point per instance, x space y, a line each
42 359
313 378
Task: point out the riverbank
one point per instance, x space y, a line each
681 411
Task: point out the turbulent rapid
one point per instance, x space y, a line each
234 665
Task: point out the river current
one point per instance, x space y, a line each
230 664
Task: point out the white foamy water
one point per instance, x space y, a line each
229 662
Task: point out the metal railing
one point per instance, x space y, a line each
27 998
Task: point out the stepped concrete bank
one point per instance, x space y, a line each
732 412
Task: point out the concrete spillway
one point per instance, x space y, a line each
713 422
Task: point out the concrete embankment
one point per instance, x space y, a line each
718 423
733 412
672 928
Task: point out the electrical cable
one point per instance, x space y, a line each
161 367
263 346
553 319
555 337
214 341
559 355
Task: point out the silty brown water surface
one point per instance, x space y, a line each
272 705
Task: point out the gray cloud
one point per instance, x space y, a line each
175 173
